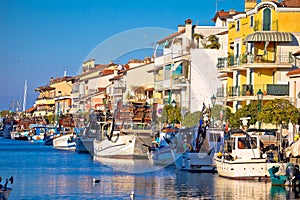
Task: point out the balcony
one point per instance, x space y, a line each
162 60
163 85
220 92
269 57
222 63
251 90
119 84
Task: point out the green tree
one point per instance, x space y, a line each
170 114
279 111
191 119
211 42
5 113
250 110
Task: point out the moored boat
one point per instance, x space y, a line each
126 134
65 140
160 151
290 178
124 143
194 148
39 132
242 159
4 190
85 136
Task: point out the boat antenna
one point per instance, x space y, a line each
25 96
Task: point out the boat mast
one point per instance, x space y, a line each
25 95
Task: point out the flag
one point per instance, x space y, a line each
203 107
226 126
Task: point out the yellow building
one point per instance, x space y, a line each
261 42
54 98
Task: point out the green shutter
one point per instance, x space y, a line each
267 19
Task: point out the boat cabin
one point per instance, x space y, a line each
244 146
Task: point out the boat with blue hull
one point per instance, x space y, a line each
39 132
160 152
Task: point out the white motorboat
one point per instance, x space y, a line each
194 148
242 159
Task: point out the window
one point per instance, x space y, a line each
238 25
267 19
247 143
251 21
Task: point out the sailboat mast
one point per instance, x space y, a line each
25 96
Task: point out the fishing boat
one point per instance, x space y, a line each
132 141
160 152
242 159
22 135
85 136
127 134
39 132
4 190
65 139
194 148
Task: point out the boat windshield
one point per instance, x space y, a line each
247 142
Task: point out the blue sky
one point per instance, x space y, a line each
40 39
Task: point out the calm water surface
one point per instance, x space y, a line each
42 172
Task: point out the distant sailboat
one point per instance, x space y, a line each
25 96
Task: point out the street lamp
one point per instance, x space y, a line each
173 103
213 102
260 95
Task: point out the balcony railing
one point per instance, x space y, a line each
268 57
162 85
222 63
250 90
119 84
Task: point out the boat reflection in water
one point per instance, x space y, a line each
284 192
133 166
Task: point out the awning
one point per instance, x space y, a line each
176 65
269 36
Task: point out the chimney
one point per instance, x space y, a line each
250 4
189 29
232 12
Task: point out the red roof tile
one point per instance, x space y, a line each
296 53
224 15
293 72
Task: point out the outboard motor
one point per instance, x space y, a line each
291 173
